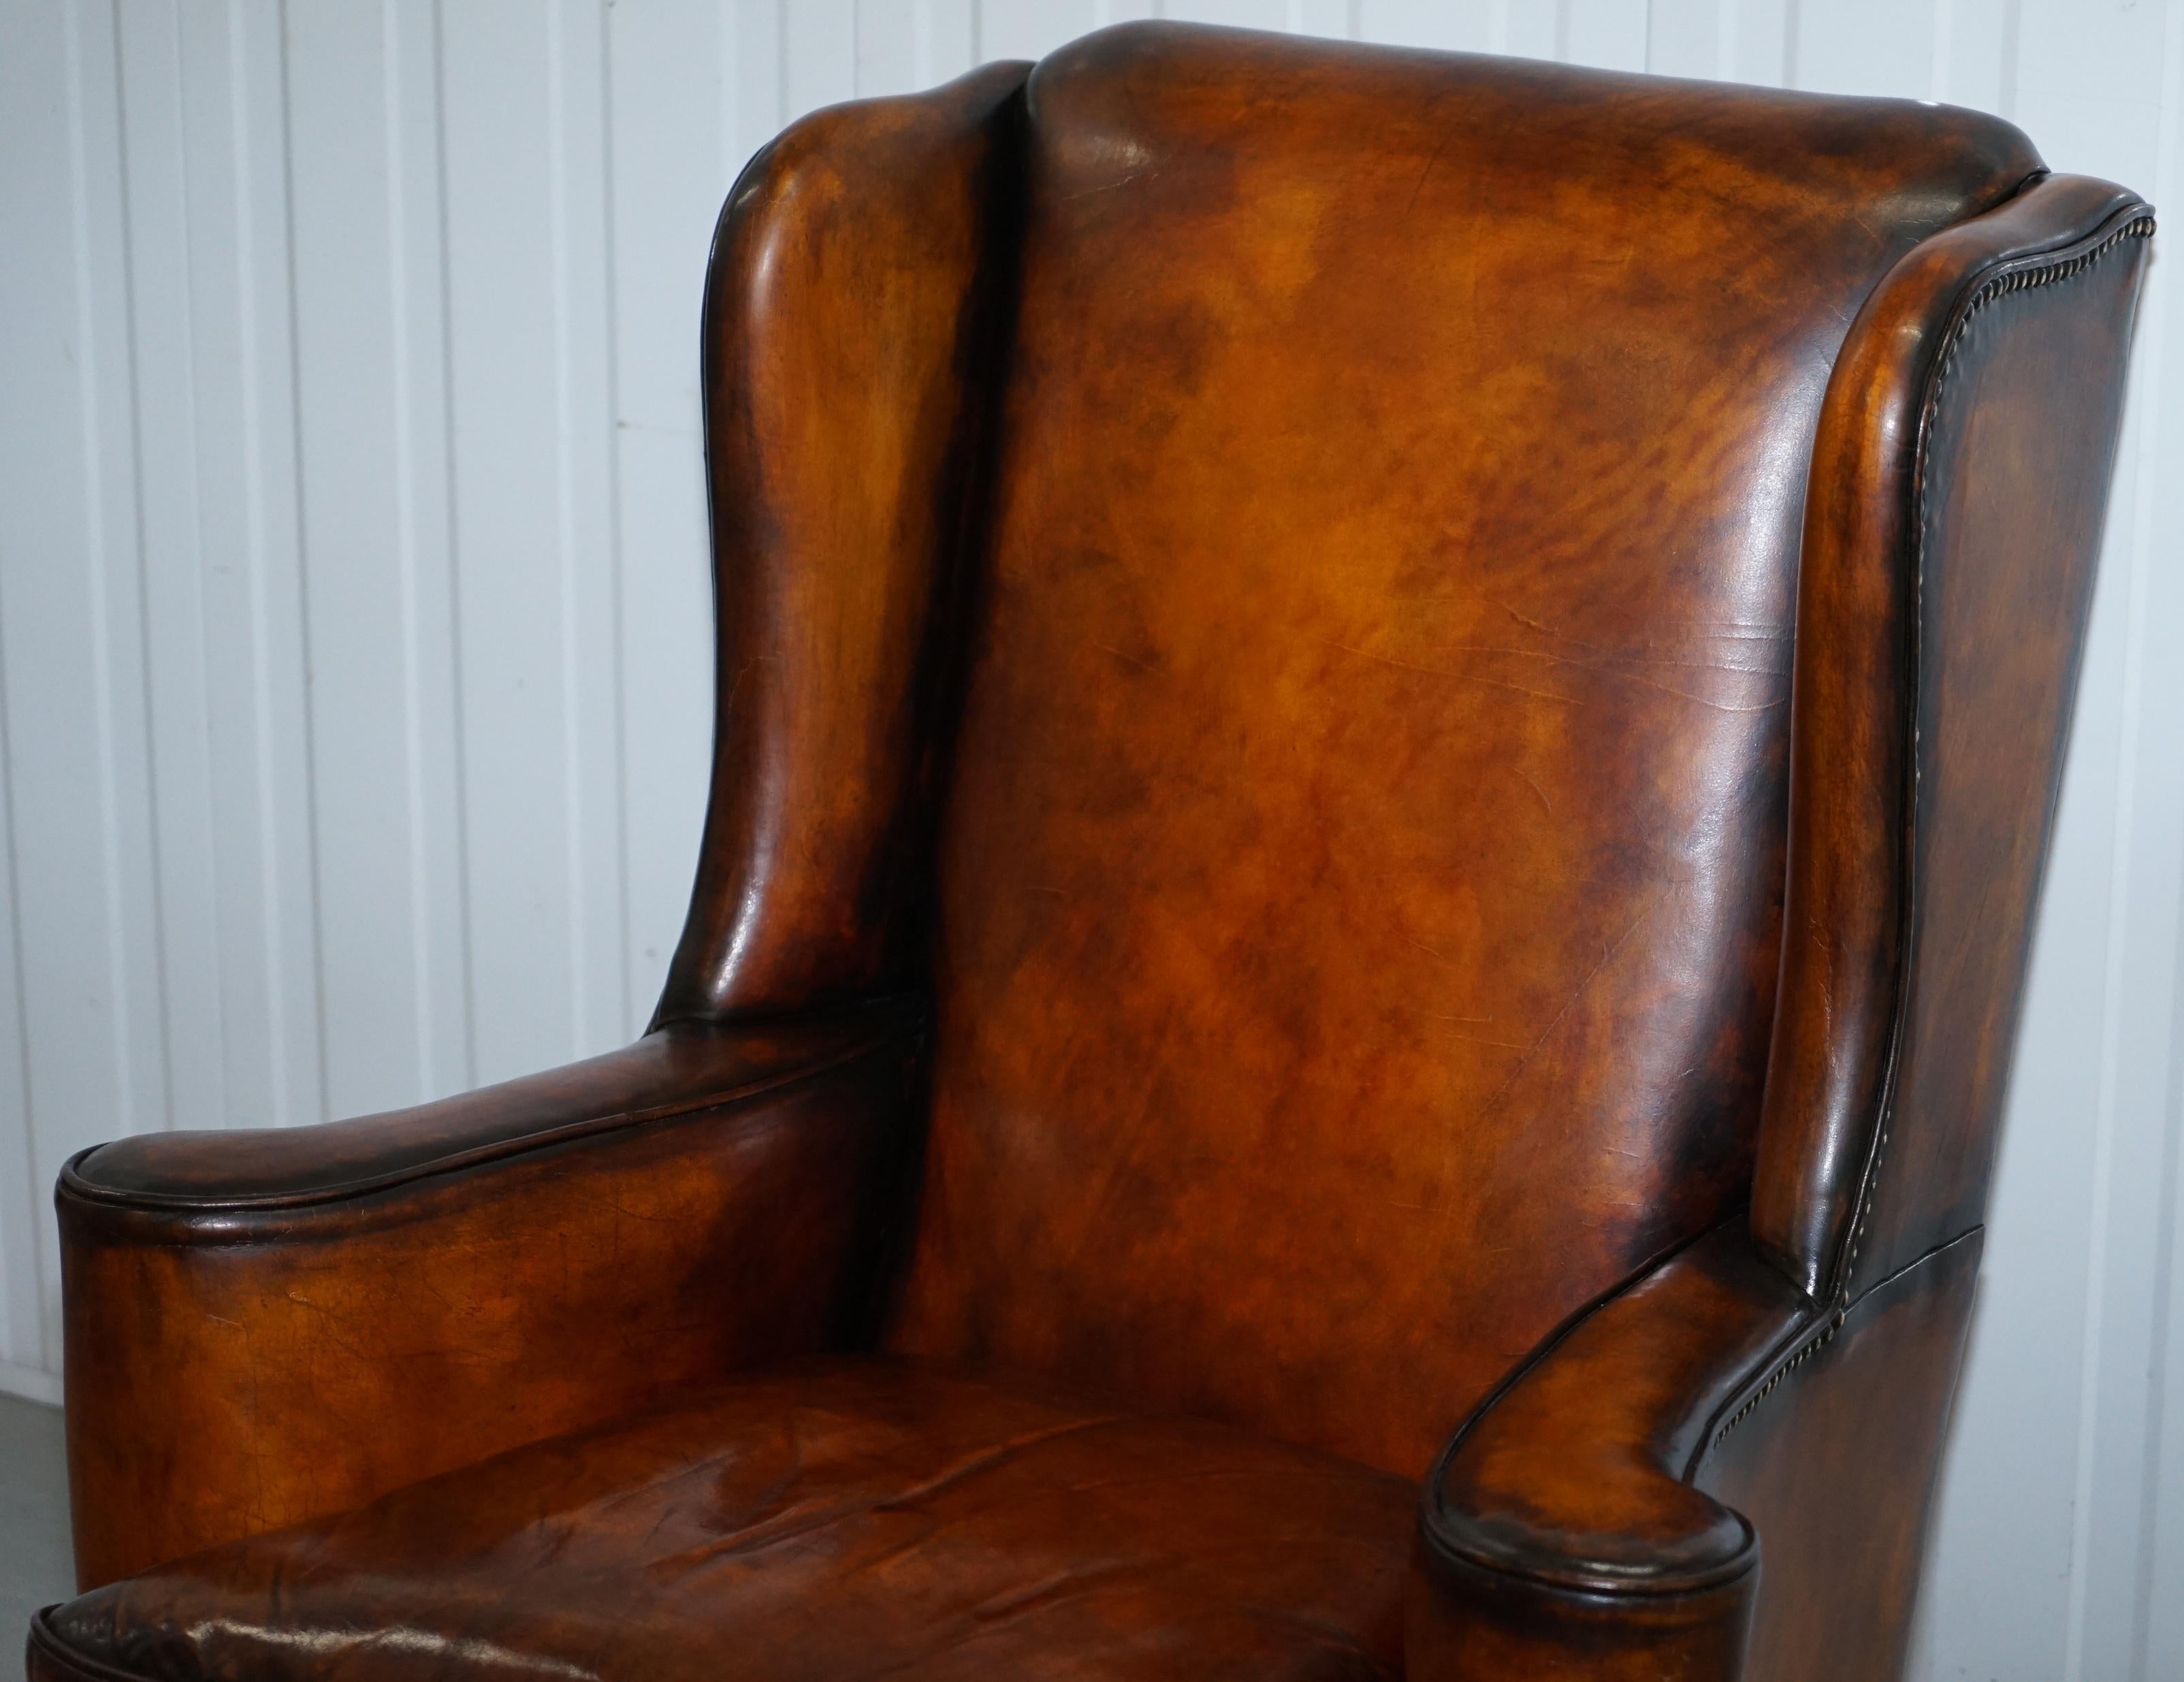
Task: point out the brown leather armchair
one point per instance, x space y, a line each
1386 728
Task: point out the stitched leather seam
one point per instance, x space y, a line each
2019 274
730 1097
2023 274
1804 1351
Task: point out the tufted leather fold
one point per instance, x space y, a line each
1386 723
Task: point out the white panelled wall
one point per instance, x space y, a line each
354 653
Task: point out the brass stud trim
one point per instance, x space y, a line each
2015 280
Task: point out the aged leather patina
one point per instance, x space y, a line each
1386 726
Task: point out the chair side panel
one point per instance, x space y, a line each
1959 486
2018 466
1835 1469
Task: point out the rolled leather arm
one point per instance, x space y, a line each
1562 1535
263 1327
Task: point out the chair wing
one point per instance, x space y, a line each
1386 727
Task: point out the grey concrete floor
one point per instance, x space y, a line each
35 1569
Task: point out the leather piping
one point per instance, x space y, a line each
1800 1346
1713 1440
74 1183
2016 274
2019 274
47 1647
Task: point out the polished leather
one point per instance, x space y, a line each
2021 439
1957 486
1386 724
1832 1458
1576 1474
856 308
851 1518
1375 816
686 1068
264 1327
1604 1515
1954 519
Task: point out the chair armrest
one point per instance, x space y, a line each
263 1327
1561 1531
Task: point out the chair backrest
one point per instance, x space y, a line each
1360 876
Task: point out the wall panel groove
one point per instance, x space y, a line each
458 761
23 1258
313 816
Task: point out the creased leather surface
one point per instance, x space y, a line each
1360 886
844 1520
1350 501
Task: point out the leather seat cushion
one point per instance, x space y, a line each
847 1518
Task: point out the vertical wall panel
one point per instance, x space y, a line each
1008 29
2100 92
533 557
1335 17
355 661
422 559
1759 41
1530 31
584 462
884 38
34 291
752 64
673 109
256 694
941 39
1729 40
2087 85
358 539
1235 14
1879 46
1974 53
70 629
503 84
1689 38
23 1259
819 54
2117 1421
1611 34
1458 25
2151 1156
157 203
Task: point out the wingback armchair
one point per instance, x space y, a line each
1387 724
